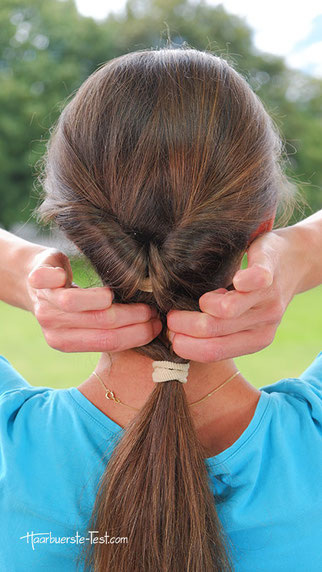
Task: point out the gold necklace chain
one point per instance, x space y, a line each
109 394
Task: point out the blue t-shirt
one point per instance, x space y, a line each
54 445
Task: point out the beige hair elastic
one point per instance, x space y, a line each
170 370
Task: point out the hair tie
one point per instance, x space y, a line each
170 370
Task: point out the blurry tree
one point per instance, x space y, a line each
47 50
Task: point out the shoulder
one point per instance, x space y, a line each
9 377
302 395
14 391
294 425
20 404
14 388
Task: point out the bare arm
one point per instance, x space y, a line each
310 234
16 259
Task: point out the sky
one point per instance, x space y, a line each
282 27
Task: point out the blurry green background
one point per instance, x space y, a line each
47 49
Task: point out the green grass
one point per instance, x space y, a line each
297 342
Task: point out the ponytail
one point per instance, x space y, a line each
155 491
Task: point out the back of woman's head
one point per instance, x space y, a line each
161 167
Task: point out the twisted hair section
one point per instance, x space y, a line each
163 165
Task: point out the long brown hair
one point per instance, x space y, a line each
162 165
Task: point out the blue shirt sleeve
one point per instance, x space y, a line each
42 483
15 392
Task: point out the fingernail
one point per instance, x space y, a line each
171 336
238 278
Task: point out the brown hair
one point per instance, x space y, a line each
163 164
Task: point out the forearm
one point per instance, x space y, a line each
16 256
309 233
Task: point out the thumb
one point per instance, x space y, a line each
260 270
46 276
52 270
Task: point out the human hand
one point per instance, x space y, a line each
75 319
242 321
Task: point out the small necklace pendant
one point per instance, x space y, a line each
110 395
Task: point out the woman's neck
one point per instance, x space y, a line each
219 420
